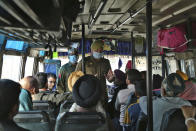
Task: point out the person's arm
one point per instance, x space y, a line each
117 103
109 74
189 115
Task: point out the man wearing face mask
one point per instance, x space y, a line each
98 66
66 70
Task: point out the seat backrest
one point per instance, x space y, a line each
173 120
66 105
142 122
33 120
81 121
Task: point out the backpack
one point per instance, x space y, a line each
173 38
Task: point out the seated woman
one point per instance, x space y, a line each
51 78
133 110
9 94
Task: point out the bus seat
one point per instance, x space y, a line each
33 120
42 105
142 122
52 66
173 120
66 105
81 121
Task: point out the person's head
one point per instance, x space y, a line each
87 91
140 88
42 80
9 94
31 84
51 80
73 77
157 80
120 77
172 85
97 49
72 55
143 73
132 76
183 75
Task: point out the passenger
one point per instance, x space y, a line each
171 87
66 70
29 87
121 101
47 95
98 66
133 110
9 94
51 81
189 113
183 75
118 84
73 77
42 80
86 94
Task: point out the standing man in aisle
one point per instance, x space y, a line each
98 66
66 70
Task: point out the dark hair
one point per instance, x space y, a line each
143 73
9 94
42 79
140 87
51 75
157 80
133 75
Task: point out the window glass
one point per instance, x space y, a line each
41 67
171 65
11 67
29 66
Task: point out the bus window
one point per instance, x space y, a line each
41 67
190 68
171 65
140 63
29 66
10 70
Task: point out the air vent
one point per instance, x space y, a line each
104 22
114 10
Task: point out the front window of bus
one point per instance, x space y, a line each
11 67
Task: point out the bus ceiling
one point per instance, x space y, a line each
57 22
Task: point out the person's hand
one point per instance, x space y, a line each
110 75
188 111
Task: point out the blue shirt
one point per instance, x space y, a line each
25 99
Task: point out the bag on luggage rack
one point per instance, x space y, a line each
173 38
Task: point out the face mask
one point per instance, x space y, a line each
97 55
73 59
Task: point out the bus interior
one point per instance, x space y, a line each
35 36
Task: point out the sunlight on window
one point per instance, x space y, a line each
11 67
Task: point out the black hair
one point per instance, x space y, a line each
42 79
143 73
133 75
51 75
140 87
9 94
